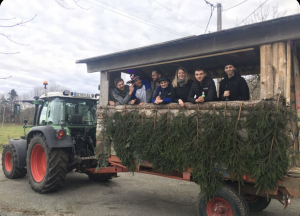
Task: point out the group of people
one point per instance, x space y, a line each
181 90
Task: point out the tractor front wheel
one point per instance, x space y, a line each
46 169
10 163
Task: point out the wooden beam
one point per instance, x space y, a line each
275 67
288 73
104 86
266 72
282 69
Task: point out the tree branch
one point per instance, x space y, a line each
6 77
8 37
20 23
76 2
63 3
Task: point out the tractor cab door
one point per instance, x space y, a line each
52 112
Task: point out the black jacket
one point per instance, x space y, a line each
208 87
181 92
237 86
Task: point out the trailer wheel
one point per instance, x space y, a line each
257 203
10 163
46 169
226 202
99 177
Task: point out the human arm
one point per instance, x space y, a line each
120 99
244 89
212 92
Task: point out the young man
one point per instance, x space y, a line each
122 93
203 88
142 91
163 92
233 86
156 74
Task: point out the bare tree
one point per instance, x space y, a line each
262 14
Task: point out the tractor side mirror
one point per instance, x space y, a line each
16 109
25 121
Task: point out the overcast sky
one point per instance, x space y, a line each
57 36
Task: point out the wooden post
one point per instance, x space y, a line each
282 69
288 73
297 91
104 88
275 67
266 72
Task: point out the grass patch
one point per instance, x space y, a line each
11 130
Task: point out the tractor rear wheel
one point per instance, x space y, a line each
10 163
46 169
226 202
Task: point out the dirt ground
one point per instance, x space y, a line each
127 195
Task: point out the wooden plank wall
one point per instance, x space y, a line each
280 74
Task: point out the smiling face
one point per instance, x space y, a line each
229 70
138 82
120 86
164 84
181 74
199 75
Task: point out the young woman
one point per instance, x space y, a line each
181 86
163 92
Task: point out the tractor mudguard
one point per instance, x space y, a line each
20 146
50 134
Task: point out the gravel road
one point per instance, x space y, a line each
127 195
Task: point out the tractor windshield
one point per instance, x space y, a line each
81 112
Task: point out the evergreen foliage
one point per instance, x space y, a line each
212 143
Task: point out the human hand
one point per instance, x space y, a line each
158 101
111 103
181 103
158 98
226 93
200 99
142 103
131 89
132 101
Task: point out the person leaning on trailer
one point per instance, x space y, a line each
233 86
181 86
122 93
203 88
142 91
163 92
155 75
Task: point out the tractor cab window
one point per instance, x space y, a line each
52 112
80 112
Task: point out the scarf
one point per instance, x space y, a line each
181 82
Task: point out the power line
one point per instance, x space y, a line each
152 24
178 14
211 13
253 12
212 10
235 5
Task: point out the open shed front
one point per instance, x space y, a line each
269 49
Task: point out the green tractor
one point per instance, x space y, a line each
62 138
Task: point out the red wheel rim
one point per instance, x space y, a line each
8 161
218 207
38 163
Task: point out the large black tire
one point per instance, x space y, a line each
257 203
99 177
226 202
47 169
10 163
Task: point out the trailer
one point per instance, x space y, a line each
268 49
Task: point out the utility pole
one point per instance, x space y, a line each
219 28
